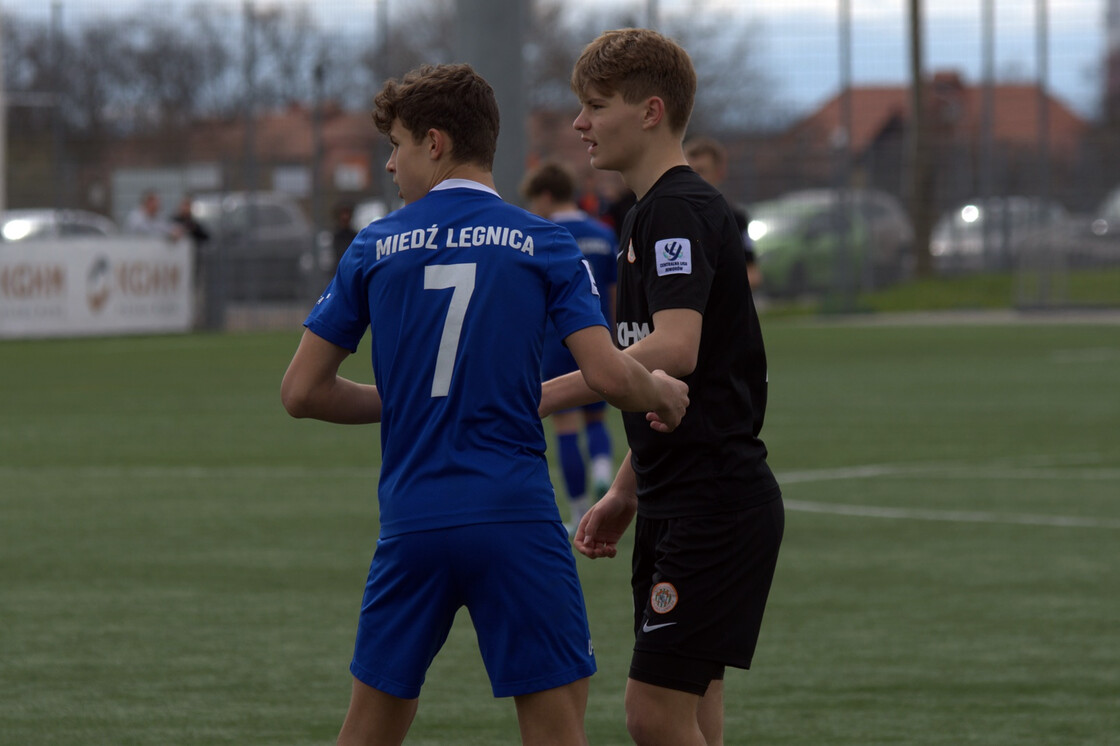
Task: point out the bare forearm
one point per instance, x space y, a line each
625 481
630 387
312 387
625 384
565 392
619 378
347 403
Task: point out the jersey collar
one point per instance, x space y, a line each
463 184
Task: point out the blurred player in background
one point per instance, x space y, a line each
550 192
709 159
456 289
709 511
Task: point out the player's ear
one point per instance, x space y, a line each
438 143
653 112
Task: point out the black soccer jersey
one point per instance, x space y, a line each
680 248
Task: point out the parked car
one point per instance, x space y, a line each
1010 225
261 245
31 224
805 239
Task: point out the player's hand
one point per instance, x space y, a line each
675 395
604 524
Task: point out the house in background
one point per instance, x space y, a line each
350 154
968 148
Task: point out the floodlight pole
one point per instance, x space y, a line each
843 288
987 119
490 36
380 151
3 124
56 113
920 142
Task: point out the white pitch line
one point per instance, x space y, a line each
951 516
797 477
190 472
949 471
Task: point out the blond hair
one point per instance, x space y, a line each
636 64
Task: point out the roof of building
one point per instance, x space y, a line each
956 107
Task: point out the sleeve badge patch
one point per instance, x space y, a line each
674 256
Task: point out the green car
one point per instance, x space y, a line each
814 240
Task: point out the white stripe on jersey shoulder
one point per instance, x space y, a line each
463 184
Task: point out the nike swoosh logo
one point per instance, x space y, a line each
647 627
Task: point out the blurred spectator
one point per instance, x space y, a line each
145 219
709 159
344 232
185 225
550 193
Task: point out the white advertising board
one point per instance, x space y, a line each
79 287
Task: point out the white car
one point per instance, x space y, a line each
32 224
959 243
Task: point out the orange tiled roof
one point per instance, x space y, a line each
957 108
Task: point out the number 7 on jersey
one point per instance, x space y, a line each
460 278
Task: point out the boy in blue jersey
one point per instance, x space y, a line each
550 192
709 515
456 288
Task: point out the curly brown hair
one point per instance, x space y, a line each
451 98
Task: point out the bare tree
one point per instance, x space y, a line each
735 93
162 69
288 40
422 33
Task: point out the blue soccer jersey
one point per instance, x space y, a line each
598 244
457 289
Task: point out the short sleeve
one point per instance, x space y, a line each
341 315
678 257
573 296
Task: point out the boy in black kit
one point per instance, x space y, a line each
709 511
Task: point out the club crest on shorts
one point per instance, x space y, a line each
663 598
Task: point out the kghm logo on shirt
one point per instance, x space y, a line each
630 332
674 256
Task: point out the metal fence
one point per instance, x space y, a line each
1001 159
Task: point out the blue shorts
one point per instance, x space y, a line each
517 580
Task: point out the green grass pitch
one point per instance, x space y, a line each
181 562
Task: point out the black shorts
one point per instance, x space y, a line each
700 585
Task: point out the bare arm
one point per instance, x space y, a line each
312 387
606 521
672 347
623 382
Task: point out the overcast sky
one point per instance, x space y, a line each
799 44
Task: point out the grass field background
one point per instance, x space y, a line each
181 563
